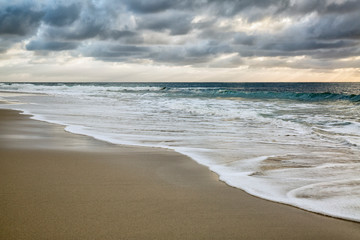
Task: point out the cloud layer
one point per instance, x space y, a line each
315 34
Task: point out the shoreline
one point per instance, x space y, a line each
164 148
97 190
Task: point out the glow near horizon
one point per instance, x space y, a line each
19 65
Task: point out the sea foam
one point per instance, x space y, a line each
296 144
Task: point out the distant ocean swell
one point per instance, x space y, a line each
324 96
202 91
297 144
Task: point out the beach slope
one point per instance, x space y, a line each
57 185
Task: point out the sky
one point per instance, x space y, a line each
180 40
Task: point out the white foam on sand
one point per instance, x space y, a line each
249 144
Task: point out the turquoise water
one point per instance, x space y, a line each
289 91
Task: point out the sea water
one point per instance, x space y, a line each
294 143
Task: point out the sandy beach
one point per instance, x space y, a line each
57 185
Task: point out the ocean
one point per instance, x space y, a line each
293 143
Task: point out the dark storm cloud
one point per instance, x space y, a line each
176 23
19 20
116 52
62 15
184 32
234 7
50 46
344 7
244 39
81 31
337 27
323 6
116 34
145 6
305 45
156 6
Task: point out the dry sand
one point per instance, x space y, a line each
57 185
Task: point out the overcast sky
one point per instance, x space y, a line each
180 40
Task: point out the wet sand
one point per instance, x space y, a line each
57 185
